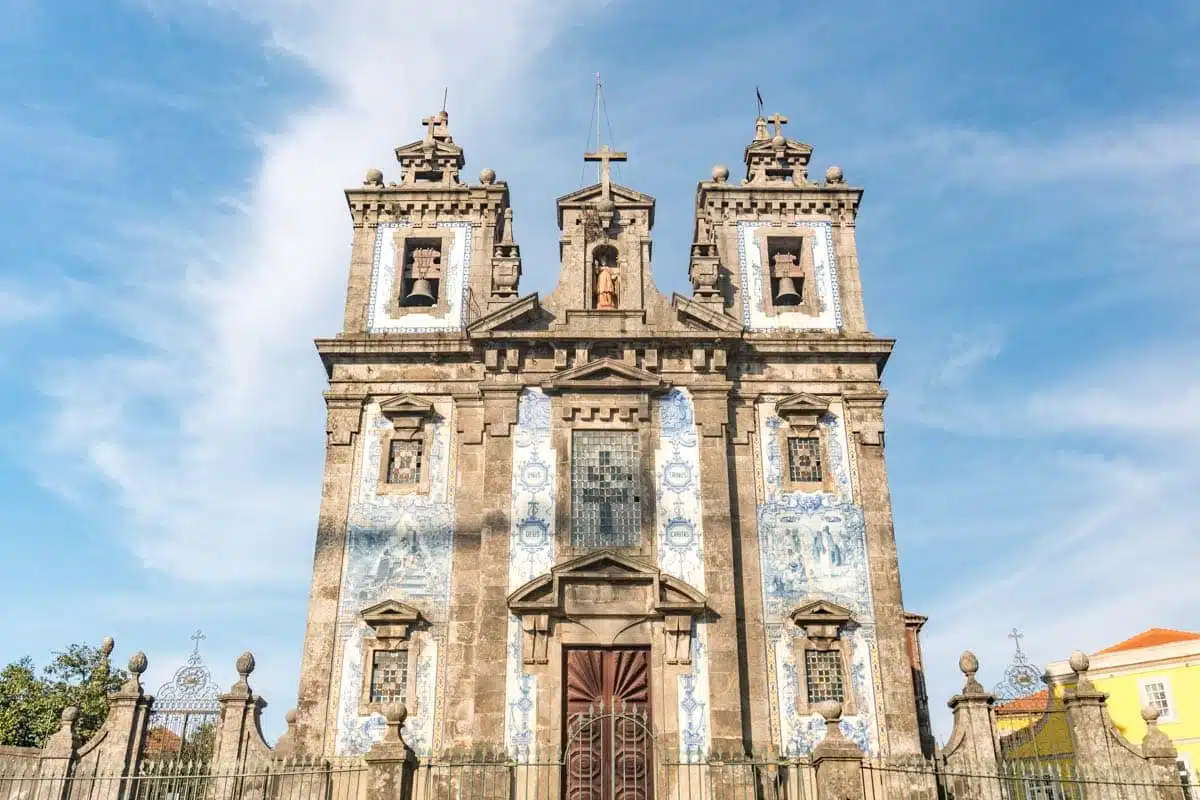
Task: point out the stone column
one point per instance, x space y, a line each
1161 756
239 741
898 717
391 764
1087 718
837 761
971 753
58 756
320 638
117 747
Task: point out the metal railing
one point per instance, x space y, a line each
183 780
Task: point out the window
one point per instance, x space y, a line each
1155 694
422 272
804 459
404 461
389 676
823 674
606 489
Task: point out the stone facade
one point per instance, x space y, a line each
512 479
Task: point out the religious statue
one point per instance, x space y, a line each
606 279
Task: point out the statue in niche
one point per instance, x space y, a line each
604 263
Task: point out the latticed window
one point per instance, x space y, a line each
804 459
823 672
606 489
404 461
1157 697
389 676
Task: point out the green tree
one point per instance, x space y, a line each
31 705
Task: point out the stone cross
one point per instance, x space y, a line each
432 124
605 155
778 120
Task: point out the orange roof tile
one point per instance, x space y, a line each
1151 638
1030 702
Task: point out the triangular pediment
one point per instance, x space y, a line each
802 407
417 149
505 315
620 194
605 374
789 146
390 612
707 318
405 405
821 612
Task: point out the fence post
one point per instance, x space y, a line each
391 763
238 737
1086 716
837 761
58 755
122 739
1160 753
971 753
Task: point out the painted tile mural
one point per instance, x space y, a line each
398 547
383 277
813 546
681 550
530 554
754 316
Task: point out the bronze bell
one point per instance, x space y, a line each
786 294
421 293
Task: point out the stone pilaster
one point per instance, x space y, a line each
116 749
854 315
58 756
837 761
1161 756
1087 718
314 709
391 764
900 736
358 287
239 740
971 752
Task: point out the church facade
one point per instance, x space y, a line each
607 498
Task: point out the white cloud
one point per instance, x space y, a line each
208 430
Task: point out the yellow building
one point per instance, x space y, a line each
1159 668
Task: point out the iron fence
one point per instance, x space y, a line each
190 780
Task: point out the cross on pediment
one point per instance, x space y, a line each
605 155
433 123
778 120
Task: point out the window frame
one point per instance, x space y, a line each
803 431
422 433
636 438
1144 684
402 241
772 239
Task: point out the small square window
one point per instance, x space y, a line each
804 459
389 676
1156 696
823 674
404 461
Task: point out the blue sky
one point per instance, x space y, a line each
173 236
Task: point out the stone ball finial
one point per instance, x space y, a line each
968 663
290 717
396 715
245 664
69 715
605 206
834 175
831 710
138 663
374 177
106 646
487 176
1079 662
720 173
777 140
1150 715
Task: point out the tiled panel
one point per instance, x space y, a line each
813 546
754 315
398 547
383 276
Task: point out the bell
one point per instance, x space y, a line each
421 293
786 294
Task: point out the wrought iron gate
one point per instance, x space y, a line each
610 755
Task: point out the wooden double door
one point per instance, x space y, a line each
609 748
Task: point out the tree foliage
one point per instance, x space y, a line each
31 704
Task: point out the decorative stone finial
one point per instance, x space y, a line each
69 715
290 717
833 176
1079 662
777 140
720 173
968 663
1150 715
487 176
394 715
138 663
374 178
831 710
106 646
245 664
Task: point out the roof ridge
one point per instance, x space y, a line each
1151 637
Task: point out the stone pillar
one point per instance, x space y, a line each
1087 718
117 747
239 739
1161 756
971 754
286 746
391 764
837 761
58 756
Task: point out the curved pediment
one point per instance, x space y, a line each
605 374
